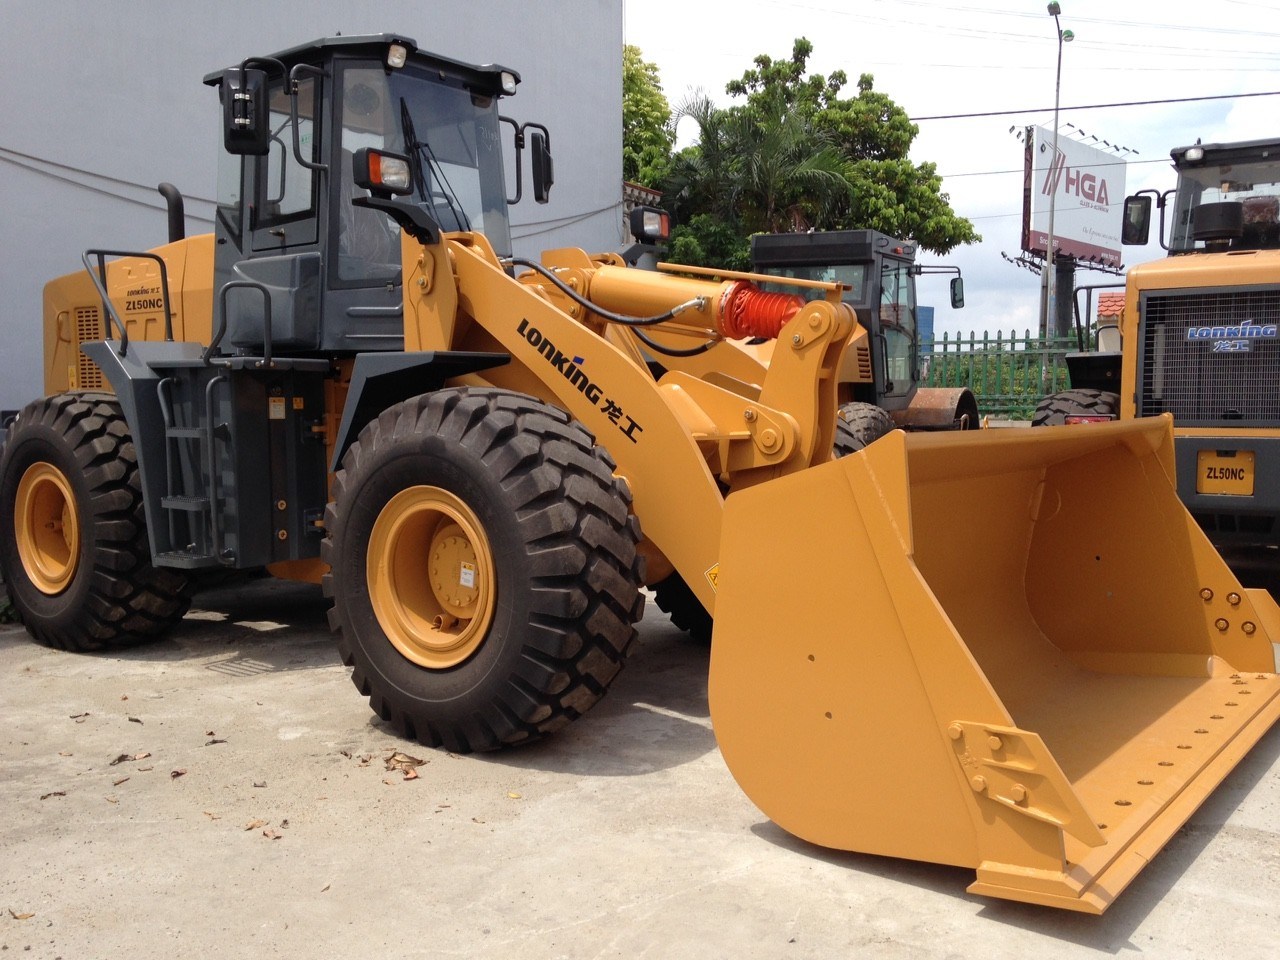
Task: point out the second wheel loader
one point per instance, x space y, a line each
1198 339
1015 653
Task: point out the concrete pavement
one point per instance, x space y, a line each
225 793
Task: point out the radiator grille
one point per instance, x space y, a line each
88 329
864 364
1193 381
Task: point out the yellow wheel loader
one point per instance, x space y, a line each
1012 652
1199 339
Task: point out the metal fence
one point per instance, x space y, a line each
1008 373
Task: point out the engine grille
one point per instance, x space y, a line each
88 329
1193 381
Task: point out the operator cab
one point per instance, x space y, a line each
305 256
1227 198
879 272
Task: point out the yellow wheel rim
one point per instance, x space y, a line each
47 528
430 577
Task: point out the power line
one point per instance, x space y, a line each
41 166
1020 170
1095 106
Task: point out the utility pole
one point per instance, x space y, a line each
1051 322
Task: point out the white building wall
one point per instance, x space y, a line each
102 101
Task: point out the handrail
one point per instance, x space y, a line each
225 557
100 283
222 322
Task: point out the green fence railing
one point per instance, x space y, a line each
1008 373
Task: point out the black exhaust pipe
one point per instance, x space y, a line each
177 218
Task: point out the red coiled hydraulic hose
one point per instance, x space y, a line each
747 311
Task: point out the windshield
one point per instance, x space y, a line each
897 310
852 275
452 140
1255 185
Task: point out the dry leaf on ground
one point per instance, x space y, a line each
402 761
129 757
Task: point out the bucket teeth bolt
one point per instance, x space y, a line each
979 784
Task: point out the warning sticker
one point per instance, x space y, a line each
713 576
467 575
275 408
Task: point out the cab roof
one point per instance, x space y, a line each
487 77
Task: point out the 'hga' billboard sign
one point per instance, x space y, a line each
1086 186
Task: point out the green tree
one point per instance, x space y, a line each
795 155
788 179
707 241
647 137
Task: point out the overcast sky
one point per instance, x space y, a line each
979 57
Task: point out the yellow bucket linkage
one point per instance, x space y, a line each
1010 650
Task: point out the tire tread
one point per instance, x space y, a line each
579 540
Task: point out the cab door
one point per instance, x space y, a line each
284 199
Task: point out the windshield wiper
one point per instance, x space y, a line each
418 150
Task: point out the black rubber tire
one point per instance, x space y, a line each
846 441
1054 409
687 613
562 542
115 598
865 423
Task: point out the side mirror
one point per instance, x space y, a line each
1136 229
245 129
957 293
543 171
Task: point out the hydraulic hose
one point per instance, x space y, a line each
580 300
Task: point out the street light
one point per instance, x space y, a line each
1051 305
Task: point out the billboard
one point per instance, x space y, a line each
1086 186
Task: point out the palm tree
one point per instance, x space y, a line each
701 177
788 177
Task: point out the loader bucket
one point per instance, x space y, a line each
1009 650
